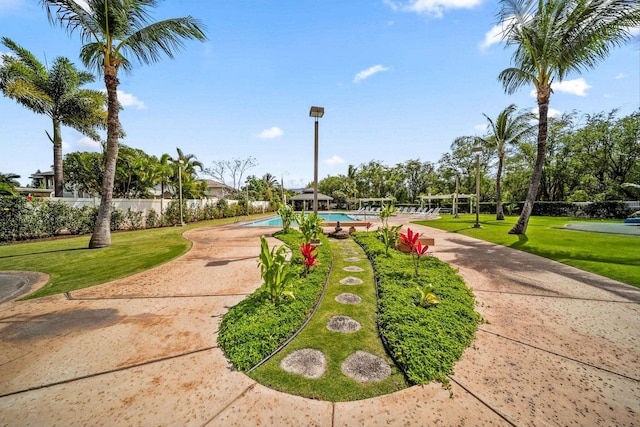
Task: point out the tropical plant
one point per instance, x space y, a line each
55 92
386 212
310 258
417 251
553 38
505 131
310 225
286 215
112 30
389 236
275 270
427 298
8 183
184 173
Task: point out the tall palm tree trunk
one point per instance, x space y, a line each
499 210
102 232
543 109
58 184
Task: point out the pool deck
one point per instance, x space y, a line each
559 347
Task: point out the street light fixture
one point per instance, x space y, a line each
180 190
316 112
477 150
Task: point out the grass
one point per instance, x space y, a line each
611 255
72 266
336 346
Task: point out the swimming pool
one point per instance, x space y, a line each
276 221
606 227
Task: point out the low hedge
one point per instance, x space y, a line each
256 327
425 342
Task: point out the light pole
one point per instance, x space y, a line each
315 112
477 150
455 200
180 190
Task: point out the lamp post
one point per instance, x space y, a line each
180 190
315 112
455 199
477 150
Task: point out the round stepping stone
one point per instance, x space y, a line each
366 367
350 252
353 269
352 259
343 324
307 362
351 281
347 298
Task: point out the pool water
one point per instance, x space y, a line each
276 221
606 227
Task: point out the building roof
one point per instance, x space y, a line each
307 194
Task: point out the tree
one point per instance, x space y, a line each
112 32
553 38
186 165
505 131
234 169
8 183
56 93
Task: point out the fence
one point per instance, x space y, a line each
147 205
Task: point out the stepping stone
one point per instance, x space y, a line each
366 367
350 252
347 298
352 259
351 281
343 324
353 269
307 362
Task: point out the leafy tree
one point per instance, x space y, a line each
553 38
507 129
55 92
417 177
114 31
84 171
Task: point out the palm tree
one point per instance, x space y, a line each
56 93
506 130
554 38
114 31
8 183
185 165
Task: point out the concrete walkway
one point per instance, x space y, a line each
559 347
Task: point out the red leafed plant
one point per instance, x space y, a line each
310 258
410 238
369 225
417 250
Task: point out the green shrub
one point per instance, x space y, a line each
82 221
152 220
257 326
425 343
133 220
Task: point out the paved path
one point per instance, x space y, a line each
559 347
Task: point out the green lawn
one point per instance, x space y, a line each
610 255
72 266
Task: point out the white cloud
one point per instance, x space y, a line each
365 74
128 100
88 143
482 128
334 160
551 113
433 8
496 33
635 31
577 86
621 76
271 133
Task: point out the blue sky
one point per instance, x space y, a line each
399 80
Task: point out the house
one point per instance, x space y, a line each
217 190
304 201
